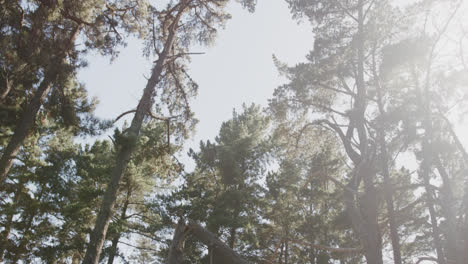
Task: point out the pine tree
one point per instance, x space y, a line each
41 43
224 191
305 212
169 87
373 57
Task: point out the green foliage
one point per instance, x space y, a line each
377 91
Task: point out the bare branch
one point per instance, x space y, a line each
173 57
113 141
78 20
124 114
368 8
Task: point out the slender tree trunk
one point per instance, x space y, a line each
427 162
98 235
388 193
8 85
425 169
176 250
388 187
235 215
281 253
232 237
465 224
116 239
453 253
29 114
463 227
435 228
369 208
24 125
370 234
364 229
286 252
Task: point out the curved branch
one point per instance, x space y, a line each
353 155
124 114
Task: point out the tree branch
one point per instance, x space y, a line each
353 155
124 114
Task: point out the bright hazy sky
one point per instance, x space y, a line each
238 68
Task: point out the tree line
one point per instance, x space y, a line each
358 158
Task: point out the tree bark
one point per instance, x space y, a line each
465 225
29 114
176 250
99 232
388 188
369 209
115 241
232 237
428 162
367 213
388 193
453 253
463 229
424 174
223 254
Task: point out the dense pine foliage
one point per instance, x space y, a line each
358 158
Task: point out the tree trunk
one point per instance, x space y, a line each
388 193
424 174
427 164
369 209
176 250
286 252
7 90
388 188
99 232
453 253
364 217
222 254
29 114
463 229
465 224
116 239
370 233
232 237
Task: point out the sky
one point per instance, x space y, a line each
237 69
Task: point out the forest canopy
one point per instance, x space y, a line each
358 157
